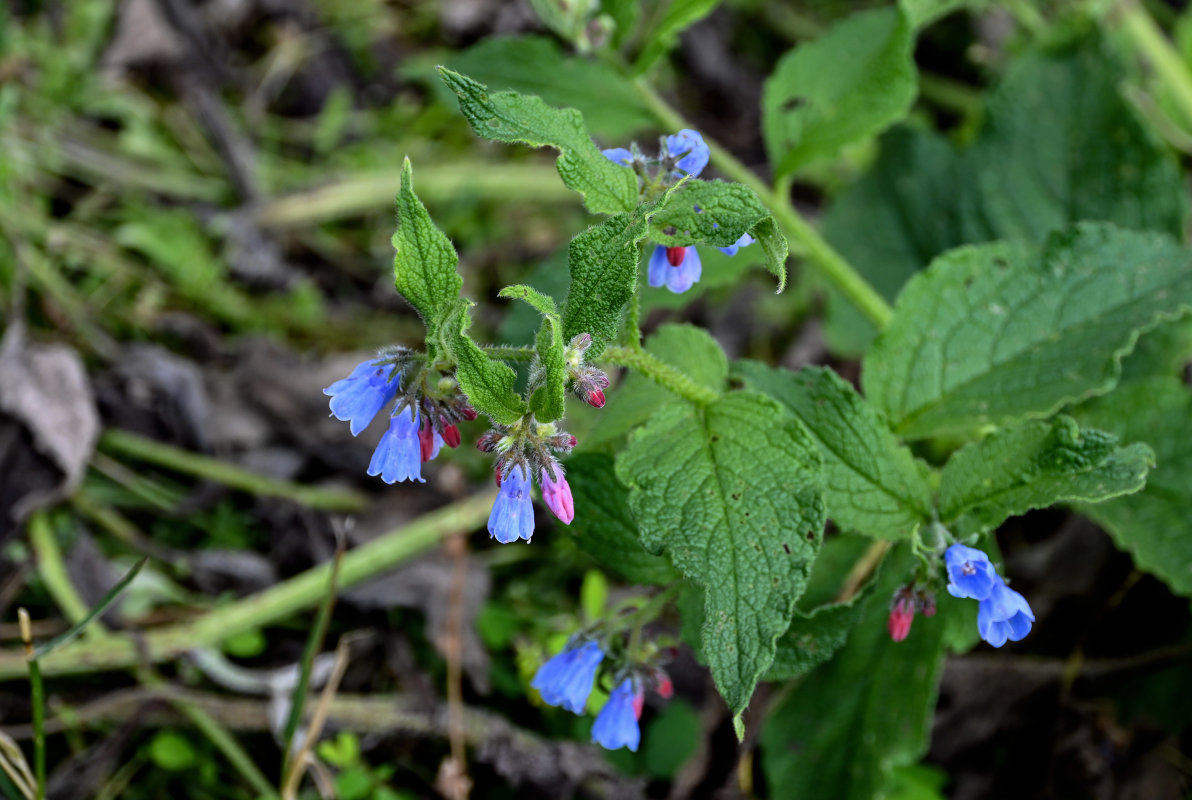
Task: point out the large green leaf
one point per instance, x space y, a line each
1036 465
603 525
871 483
845 725
537 65
688 349
488 384
424 265
603 265
854 81
1061 146
607 188
737 503
1154 525
998 332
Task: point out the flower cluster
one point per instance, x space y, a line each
684 153
525 455
566 681
419 424
1003 614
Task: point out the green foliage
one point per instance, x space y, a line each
738 506
488 384
610 105
921 13
603 525
725 211
872 485
999 332
607 188
690 350
849 722
172 751
1060 146
547 401
812 639
671 738
678 16
1153 525
424 265
1036 465
603 265
852 82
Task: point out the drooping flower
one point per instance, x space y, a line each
970 574
616 724
512 516
566 680
619 155
732 249
1004 615
358 398
694 151
398 456
676 268
556 493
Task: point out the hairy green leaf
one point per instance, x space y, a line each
852 82
850 721
1154 525
690 350
998 332
871 483
424 265
812 639
603 526
537 65
488 384
1061 146
603 265
607 188
547 401
737 504
1036 465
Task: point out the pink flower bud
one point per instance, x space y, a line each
556 493
675 255
451 436
901 616
468 413
596 398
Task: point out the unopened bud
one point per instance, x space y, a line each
488 442
901 615
426 440
467 412
596 398
451 436
675 255
581 342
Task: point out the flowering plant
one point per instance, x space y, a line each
972 405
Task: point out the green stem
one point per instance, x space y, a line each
661 373
185 461
1149 41
37 692
302 591
817 250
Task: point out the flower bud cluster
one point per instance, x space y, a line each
525 455
586 382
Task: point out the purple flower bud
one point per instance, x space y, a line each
969 572
358 397
1004 615
512 516
398 456
566 680
616 724
556 493
676 278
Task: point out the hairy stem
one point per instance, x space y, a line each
661 373
819 253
